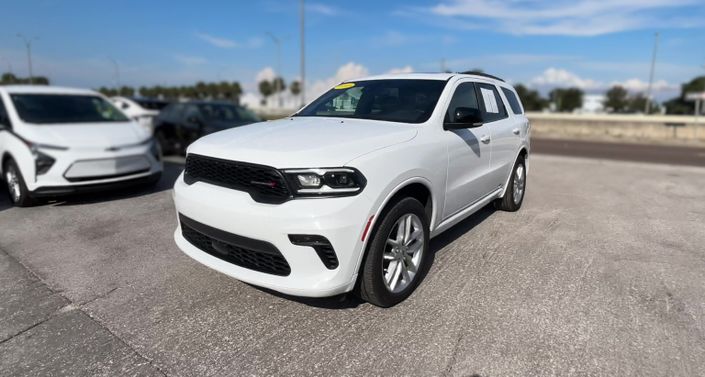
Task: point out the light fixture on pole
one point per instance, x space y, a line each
28 45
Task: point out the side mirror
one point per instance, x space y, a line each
465 117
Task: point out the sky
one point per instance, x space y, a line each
592 44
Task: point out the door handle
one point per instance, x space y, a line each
485 139
516 131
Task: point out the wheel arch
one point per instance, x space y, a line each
416 187
522 152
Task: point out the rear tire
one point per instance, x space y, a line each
396 260
16 188
514 194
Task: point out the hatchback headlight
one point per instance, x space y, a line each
325 181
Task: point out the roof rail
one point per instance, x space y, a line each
483 74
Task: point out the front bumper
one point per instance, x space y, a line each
52 191
340 220
93 169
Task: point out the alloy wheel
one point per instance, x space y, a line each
519 183
13 184
403 253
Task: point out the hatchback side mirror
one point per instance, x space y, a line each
465 117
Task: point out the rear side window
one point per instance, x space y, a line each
513 101
491 103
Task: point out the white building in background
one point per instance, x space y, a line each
593 104
286 102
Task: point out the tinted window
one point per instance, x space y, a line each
226 113
4 119
513 101
464 96
491 103
63 108
407 101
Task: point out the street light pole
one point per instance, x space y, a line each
277 89
303 61
647 110
28 44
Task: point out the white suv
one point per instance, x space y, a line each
56 141
346 194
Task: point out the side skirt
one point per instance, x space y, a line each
469 210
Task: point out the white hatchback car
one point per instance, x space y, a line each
346 194
56 141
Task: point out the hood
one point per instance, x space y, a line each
86 135
302 142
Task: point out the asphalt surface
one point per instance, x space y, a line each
599 273
664 154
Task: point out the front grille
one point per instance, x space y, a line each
264 184
241 251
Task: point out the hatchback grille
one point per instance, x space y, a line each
241 251
264 184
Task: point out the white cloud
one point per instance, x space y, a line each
190 60
392 38
636 85
560 17
554 77
266 73
217 41
323 9
346 72
405 69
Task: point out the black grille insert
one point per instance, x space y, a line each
265 184
242 251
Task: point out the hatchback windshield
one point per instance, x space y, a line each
226 113
64 108
408 101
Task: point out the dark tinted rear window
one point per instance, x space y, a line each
513 101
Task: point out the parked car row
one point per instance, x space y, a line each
56 141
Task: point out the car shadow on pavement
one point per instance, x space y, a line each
171 172
350 301
4 199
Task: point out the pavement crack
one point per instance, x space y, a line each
454 356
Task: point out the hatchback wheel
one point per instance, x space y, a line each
397 256
19 195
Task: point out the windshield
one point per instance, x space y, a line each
407 101
226 113
64 108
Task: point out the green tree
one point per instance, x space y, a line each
278 85
567 100
680 105
617 99
531 99
295 88
265 88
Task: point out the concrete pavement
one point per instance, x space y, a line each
600 273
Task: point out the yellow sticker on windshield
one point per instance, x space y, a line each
347 85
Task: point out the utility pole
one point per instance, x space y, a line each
303 61
116 72
28 44
277 89
647 110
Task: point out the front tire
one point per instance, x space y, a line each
514 195
398 255
19 195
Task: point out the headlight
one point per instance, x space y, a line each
325 181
